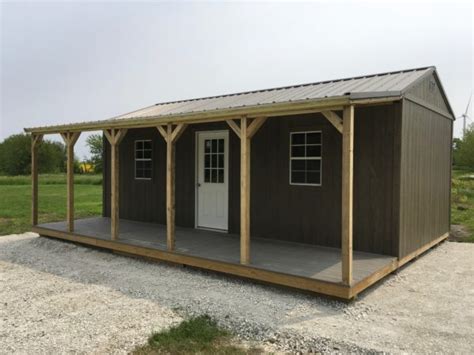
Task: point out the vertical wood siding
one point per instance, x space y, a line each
424 177
429 91
305 214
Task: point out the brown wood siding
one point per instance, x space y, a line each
424 177
305 214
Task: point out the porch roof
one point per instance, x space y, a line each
274 101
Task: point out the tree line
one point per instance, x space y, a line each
15 155
463 149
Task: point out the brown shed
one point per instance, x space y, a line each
326 186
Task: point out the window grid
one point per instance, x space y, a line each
143 159
214 160
306 158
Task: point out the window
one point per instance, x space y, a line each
143 160
305 158
214 160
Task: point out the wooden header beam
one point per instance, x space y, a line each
347 193
36 140
70 139
115 137
170 135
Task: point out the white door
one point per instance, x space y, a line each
212 179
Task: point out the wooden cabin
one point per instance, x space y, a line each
326 186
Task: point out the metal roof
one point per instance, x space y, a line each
384 85
369 86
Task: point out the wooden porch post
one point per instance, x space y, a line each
347 192
171 136
115 136
35 142
245 132
245 147
70 139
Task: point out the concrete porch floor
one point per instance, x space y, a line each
315 262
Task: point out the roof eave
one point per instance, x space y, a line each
274 109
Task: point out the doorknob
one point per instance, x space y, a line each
198 184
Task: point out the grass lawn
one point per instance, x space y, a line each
462 197
198 335
15 200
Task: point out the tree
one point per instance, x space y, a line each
463 149
15 156
96 148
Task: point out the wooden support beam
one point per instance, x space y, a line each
234 127
70 139
255 126
170 136
35 142
334 118
170 190
163 132
247 131
347 193
115 137
177 132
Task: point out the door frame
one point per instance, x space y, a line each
225 132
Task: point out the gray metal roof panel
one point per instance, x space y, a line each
364 86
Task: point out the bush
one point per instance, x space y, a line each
15 156
463 149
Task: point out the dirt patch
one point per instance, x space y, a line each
58 297
458 233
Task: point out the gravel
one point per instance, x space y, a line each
58 297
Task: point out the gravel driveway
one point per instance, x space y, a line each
57 297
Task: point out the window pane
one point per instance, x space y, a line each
147 173
298 165
139 164
221 146
207 146
298 177
139 154
313 177
207 175
147 145
220 161
139 145
214 145
314 165
313 151
147 154
147 164
220 177
313 138
297 151
297 138
207 161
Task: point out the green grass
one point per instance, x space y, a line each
15 200
52 179
462 201
198 335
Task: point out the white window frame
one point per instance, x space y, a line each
305 158
142 159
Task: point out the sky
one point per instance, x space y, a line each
65 62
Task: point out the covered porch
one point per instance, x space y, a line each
341 272
309 267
